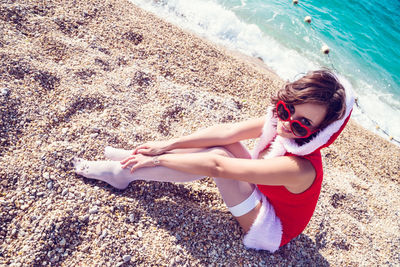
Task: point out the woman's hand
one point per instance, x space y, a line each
138 161
152 148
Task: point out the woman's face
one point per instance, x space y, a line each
309 114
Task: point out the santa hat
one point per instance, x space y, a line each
323 138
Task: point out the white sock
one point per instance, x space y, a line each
112 173
116 154
107 171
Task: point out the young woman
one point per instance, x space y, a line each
272 192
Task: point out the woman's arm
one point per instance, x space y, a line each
218 135
287 171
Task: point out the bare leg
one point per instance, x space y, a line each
233 192
236 192
237 195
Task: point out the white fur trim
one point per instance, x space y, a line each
266 231
268 133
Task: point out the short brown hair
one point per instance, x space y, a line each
320 87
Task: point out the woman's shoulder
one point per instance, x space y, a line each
314 158
306 176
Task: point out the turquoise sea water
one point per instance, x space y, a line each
363 37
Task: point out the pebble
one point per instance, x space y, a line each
13 231
178 259
54 259
98 229
126 258
94 210
4 91
46 175
64 130
139 234
96 130
178 237
48 202
85 218
63 242
64 192
50 185
132 218
120 264
103 234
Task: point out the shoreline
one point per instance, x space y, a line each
359 115
79 76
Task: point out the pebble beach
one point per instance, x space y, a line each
76 76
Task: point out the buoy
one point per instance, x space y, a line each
307 19
295 2
390 138
325 49
377 127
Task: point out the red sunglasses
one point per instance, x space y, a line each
296 127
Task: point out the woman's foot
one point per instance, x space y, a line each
107 171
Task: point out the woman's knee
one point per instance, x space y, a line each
238 150
247 220
222 151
